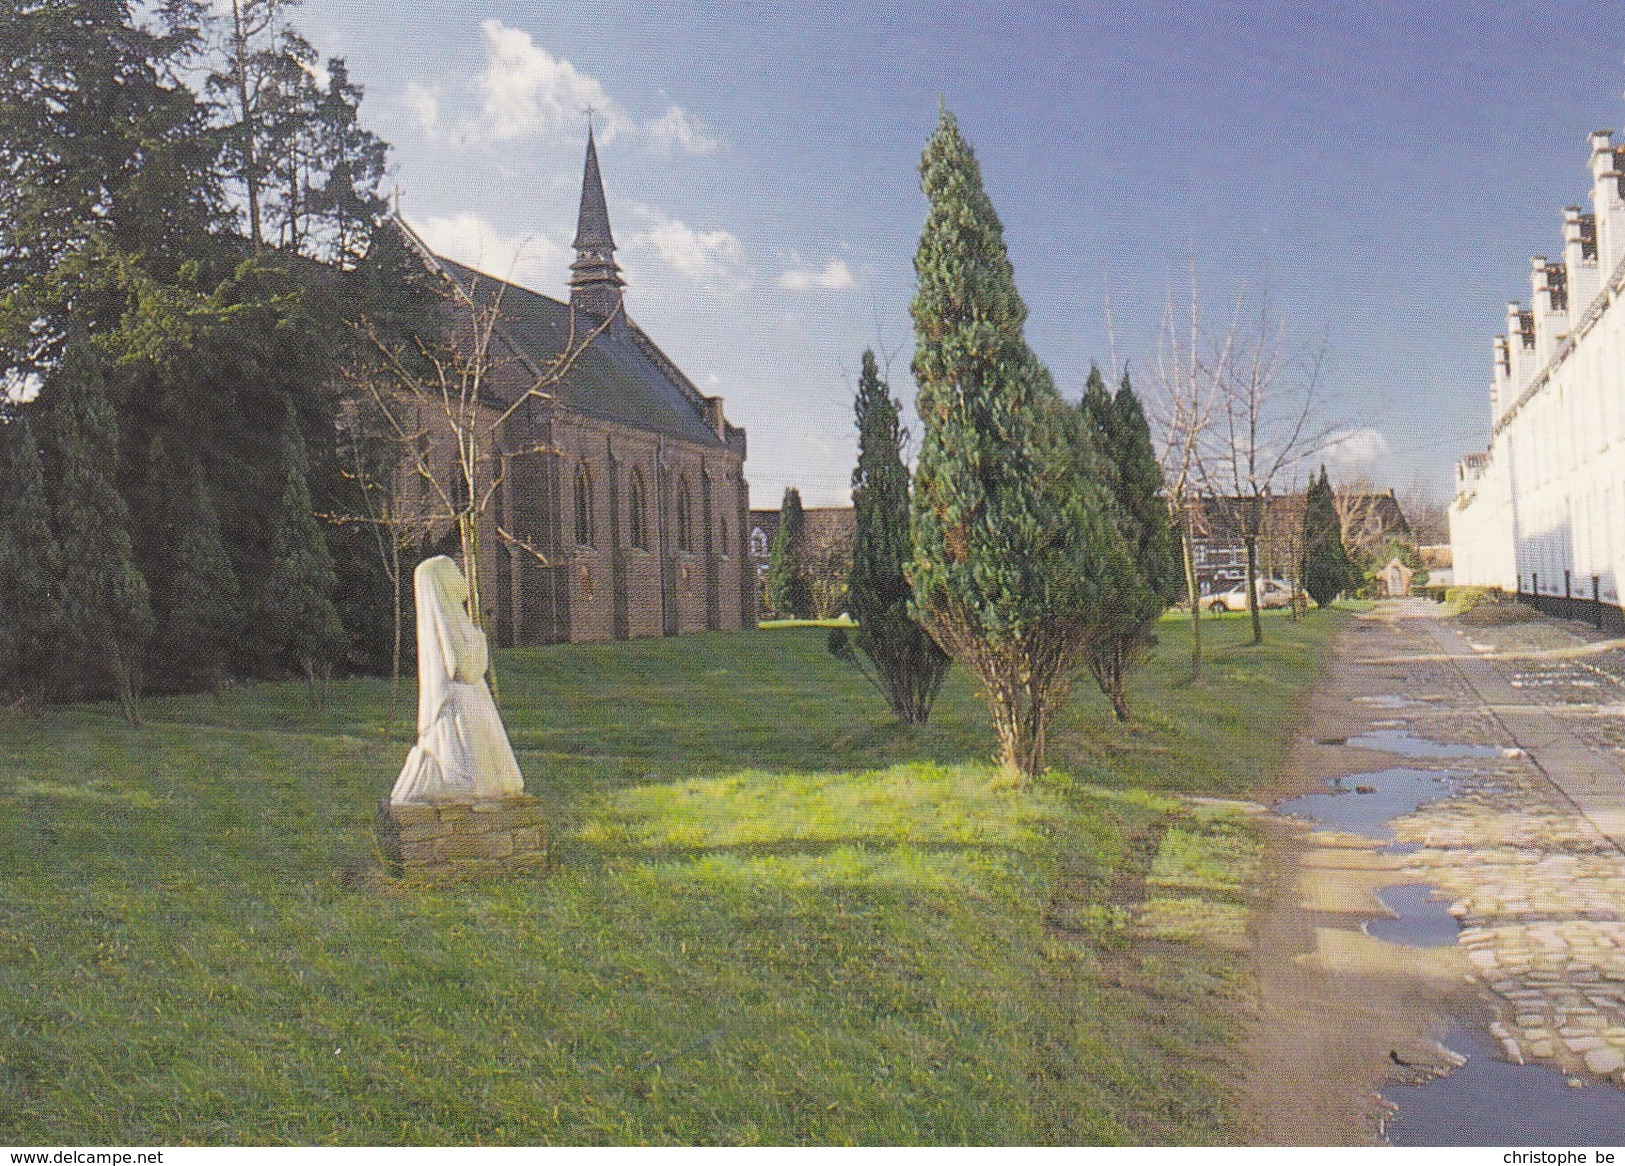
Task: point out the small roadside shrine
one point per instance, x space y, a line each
1394 580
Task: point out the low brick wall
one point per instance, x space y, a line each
458 838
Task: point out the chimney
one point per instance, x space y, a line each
1580 258
1606 203
1501 395
1549 300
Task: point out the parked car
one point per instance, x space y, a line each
1271 593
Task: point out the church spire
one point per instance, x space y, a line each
595 277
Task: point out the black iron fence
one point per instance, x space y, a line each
1581 599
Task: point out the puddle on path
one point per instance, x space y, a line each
1491 1102
1422 919
1393 794
1407 745
1388 700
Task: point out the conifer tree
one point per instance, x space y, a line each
295 598
1327 568
908 665
1148 578
1012 532
787 588
106 599
32 626
196 599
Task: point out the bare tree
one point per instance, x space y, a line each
1186 378
370 462
828 565
1425 512
264 73
1359 525
1268 398
1284 538
444 398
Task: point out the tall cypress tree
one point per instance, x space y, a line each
295 597
106 599
32 617
196 599
1149 574
1012 530
787 587
1327 568
908 665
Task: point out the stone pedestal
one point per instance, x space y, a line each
452 839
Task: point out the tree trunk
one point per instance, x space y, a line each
1021 734
250 165
1120 707
1192 590
124 681
1252 588
468 533
395 659
1037 724
1110 665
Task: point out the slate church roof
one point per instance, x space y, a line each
621 375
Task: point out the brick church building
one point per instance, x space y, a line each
619 503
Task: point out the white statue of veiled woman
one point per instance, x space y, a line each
462 753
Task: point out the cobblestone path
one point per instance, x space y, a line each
1529 848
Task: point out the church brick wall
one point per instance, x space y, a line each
619 485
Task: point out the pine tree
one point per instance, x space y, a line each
1327 568
295 598
908 665
1148 577
787 587
354 160
196 599
106 599
32 618
1012 530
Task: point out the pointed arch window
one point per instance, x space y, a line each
637 503
583 505
685 517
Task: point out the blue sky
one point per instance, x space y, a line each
1386 170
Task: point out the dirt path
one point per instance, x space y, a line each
1336 1006
1525 726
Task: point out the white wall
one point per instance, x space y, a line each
1550 497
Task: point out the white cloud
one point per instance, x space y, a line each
530 91
319 74
677 130
1354 448
713 259
532 261
836 276
424 102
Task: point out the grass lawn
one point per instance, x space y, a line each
771 915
